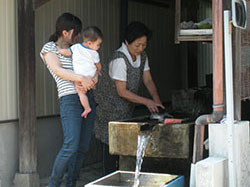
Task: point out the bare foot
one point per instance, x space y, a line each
85 112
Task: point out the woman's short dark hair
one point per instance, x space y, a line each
66 21
136 30
92 33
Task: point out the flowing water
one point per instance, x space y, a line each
141 147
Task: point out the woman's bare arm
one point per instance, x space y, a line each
150 85
54 64
132 97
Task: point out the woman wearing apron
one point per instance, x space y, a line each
117 91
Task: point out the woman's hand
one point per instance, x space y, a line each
54 64
159 103
150 85
153 106
95 78
87 83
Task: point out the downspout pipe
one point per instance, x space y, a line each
218 103
209 118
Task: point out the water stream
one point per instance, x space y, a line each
141 148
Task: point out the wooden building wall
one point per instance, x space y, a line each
8 92
8 60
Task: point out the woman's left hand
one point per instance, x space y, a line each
152 106
159 104
95 80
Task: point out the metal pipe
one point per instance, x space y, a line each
200 123
218 105
217 12
209 118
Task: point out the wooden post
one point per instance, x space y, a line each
27 175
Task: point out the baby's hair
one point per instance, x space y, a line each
92 33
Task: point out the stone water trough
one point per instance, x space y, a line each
167 141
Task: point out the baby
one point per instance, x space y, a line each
86 60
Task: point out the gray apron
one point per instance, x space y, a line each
111 107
